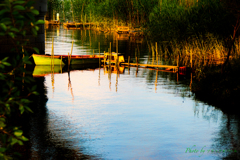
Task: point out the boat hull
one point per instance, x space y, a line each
88 60
47 60
63 59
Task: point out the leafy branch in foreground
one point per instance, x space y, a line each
17 19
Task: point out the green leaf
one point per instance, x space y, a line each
24 138
18 133
8 107
3 26
30 3
34 31
26 58
29 109
25 101
20 142
21 108
14 29
6 20
34 88
24 33
37 28
31 16
35 93
6 63
19 2
3 11
34 11
11 34
13 141
36 49
2 34
2 119
3 149
2 124
19 7
5 59
40 22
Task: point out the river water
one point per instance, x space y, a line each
134 113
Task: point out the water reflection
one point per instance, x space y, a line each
149 114
43 142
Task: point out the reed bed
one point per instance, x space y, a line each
202 52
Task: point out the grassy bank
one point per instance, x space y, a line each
221 90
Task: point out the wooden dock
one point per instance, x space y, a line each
77 25
168 67
52 22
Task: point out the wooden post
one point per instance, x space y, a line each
61 64
110 48
136 54
52 51
99 54
156 53
104 60
110 52
128 61
117 52
68 60
178 62
72 48
191 59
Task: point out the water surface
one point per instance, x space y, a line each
134 114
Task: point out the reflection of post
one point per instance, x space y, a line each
109 76
99 77
99 54
70 86
52 79
117 79
128 64
190 83
156 81
177 77
137 71
52 55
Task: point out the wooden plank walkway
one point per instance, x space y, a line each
76 25
150 65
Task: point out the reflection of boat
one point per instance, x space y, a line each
122 36
40 71
114 69
63 59
136 39
45 70
136 32
122 29
113 58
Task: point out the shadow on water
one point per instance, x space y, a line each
226 141
42 144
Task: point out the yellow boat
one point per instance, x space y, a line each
113 58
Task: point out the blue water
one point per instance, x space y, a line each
131 115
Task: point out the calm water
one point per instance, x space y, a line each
136 114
